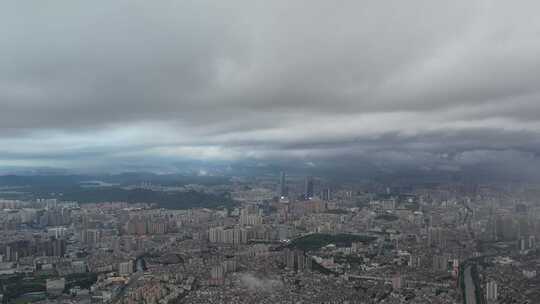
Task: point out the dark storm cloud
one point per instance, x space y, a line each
103 80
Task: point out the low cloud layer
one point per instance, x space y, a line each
439 83
256 284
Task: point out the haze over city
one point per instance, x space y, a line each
269 152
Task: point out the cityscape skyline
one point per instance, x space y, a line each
269 152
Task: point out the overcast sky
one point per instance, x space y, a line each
92 83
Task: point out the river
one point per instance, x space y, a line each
470 289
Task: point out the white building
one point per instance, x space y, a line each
125 268
491 291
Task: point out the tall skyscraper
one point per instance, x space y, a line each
309 188
283 185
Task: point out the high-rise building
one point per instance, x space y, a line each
125 268
532 242
326 194
283 185
440 262
296 260
491 291
218 272
57 232
90 236
309 188
506 228
436 236
214 234
522 244
58 247
455 268
396 282
228 236
247 219
414 261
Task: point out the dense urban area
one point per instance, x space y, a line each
269 152
269 239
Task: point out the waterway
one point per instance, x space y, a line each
470 289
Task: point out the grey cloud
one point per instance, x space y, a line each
259 79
